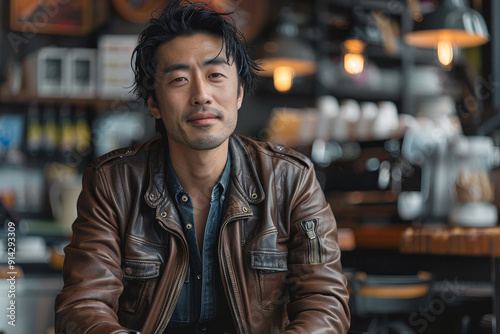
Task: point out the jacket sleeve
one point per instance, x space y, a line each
92 267
318 289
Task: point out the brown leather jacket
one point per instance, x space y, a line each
278 250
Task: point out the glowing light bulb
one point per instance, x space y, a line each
354 63
445 53
354 59
283 78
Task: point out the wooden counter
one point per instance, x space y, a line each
451 240
462 242
377 236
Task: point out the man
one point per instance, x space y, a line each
200 230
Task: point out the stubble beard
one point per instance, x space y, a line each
204 142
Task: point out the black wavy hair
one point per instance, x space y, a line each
182 17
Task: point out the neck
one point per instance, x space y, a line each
198 171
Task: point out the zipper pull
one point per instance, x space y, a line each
309 226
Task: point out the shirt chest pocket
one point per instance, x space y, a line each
270 270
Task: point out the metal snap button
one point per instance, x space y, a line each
279 148
163 214
128 271
281 264
152 197
254 196
189 226
184 198
245 209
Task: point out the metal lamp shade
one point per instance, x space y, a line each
289 52
452 21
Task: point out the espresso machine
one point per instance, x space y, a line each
428 148
455 182
473 159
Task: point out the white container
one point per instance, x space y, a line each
345 125
45 71
387 121
81 67
115 75
329 109
364 128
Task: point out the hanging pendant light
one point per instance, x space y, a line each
451 25
286 56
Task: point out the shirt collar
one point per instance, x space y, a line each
175 188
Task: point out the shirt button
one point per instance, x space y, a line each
189 226
184 198
198 276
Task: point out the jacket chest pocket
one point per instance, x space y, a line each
270 270
139 282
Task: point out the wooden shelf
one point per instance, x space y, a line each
96 103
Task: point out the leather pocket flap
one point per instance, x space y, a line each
269 261
140 269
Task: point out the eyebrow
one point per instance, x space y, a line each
183 66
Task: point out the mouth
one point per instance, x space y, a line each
203 118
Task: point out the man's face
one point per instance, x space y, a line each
197 92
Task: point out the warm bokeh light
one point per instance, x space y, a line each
354 59
354 63
445 53
283 78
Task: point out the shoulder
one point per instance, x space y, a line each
123 154
275 151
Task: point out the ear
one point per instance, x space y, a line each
153 107
241 93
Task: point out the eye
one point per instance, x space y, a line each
216 75
180 79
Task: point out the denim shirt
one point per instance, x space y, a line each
202 297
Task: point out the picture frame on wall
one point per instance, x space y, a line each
250 16
71 17
138 11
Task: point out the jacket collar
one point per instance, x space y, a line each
244 172
244 175
157 187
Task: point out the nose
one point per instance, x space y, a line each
200 92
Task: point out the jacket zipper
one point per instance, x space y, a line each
167 313
232 298
309 227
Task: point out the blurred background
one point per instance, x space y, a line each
395 101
